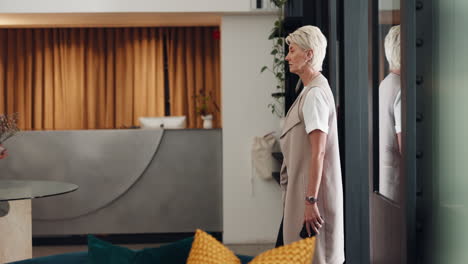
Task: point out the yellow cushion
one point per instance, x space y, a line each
299 252
206 249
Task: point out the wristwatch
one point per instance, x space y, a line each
311 199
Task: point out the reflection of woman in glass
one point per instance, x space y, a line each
390 119
311 173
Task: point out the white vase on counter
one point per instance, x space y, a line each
207 121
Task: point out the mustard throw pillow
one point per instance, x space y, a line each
206 249
299 252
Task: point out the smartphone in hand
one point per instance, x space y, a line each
303 233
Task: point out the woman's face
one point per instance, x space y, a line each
297 58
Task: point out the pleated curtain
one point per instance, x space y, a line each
95 78
194 72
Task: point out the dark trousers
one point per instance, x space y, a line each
279 239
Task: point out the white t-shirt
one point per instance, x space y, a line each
315 110
397 112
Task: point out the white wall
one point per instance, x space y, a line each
105 6
245 96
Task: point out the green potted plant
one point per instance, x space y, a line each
278 66
8 128
205 106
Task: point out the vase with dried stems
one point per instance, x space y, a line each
8 128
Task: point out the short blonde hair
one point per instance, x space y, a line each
392 47
310 38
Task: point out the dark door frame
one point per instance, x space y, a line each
409 80
357 138
357 164
426 193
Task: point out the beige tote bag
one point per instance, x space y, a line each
263 163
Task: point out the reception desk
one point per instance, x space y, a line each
131 181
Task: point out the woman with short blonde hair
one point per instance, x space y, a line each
310 38
311 172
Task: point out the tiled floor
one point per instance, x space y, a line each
244 249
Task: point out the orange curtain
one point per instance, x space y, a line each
194 69
81 78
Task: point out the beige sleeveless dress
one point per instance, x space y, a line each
294 179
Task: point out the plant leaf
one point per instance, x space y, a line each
263 69
272 35
276 2
278 95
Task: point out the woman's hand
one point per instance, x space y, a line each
318 142
312 218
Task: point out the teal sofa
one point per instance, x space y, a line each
82 258
69 258
101 252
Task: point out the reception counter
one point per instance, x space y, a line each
130 181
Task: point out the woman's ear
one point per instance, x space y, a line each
310 55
